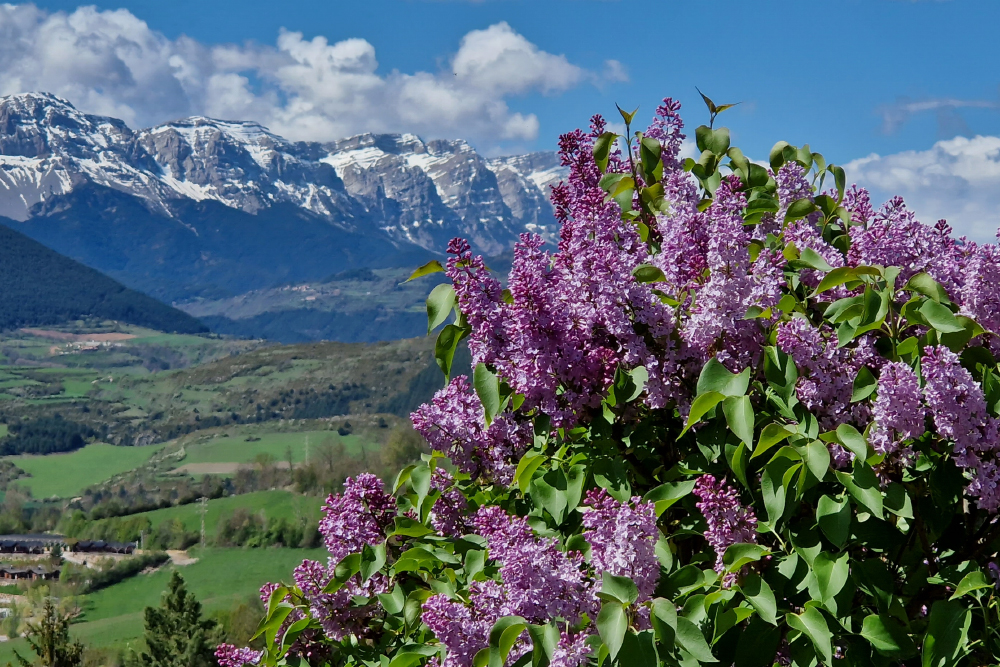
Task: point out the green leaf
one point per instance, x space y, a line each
716 377
526 468
947 634
372 560
715 141
430 267
612 622
888 637
445 346
973 581
814 260
623 193
619 589
799 208
831 574
690 638
817 458
738 555
922 283
840 179
488 389
664 618
602 149
812 624
865 385
626 115
841 275
647 273
505 633
834 518
638 650
897 501
349 566
770 436
939 317
393 602
863 486
849 437
776 156
412 655
739 416
701 405
667 494
761 597
439 305
774 489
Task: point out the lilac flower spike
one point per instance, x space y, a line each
729 522
622 538
230 656
898 411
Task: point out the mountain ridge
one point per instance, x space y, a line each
413 191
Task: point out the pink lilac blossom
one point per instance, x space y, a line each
571 651
898 411
448 516
231 656
540 581
464 629
729 521
572 317
958 405
980 294
622 538
453 423
357 518
826 374
896 238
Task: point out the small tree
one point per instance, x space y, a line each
49 639
176 635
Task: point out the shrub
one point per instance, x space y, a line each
733 418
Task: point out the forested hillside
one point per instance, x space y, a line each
42 287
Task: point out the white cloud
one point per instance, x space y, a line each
957 179
897 114
111 62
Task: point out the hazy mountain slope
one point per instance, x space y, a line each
208 249
40 287
209 209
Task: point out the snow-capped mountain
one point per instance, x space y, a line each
403 190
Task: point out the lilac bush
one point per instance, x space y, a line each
734 414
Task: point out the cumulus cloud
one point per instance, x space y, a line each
897 114
957 179
111 62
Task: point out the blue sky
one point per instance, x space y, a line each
896 78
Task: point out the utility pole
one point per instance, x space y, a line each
307 449
203 510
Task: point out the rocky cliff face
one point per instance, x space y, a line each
397 187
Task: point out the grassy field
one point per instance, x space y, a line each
274 504
114 616
236 449
66 475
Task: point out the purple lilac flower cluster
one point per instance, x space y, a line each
729 521
958 405
826 373
454 424
622 538
541 583
898 411
230 656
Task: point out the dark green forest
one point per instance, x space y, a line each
42 287
45 435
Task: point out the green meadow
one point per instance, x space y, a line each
113 617
66 475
